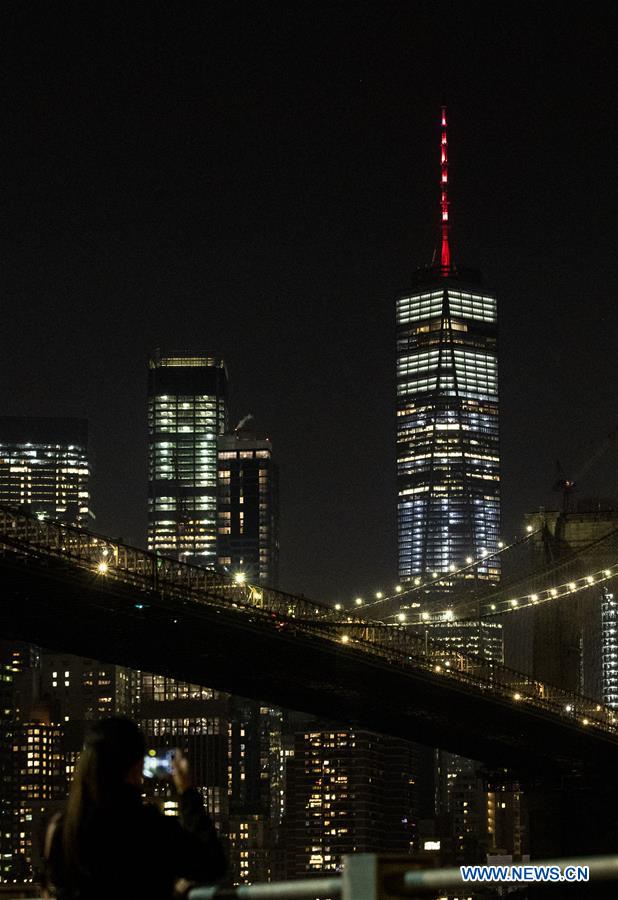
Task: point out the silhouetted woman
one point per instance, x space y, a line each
109 844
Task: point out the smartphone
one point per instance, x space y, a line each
158 764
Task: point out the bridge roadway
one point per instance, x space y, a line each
68 590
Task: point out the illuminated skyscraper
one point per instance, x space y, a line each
448 474
44 466
248 540
186 413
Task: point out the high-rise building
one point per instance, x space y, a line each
248 539
348 791
186 413
448 475
176 714
45 467
448 472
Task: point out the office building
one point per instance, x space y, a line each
471 638
248 515
448 475
45 467
186 413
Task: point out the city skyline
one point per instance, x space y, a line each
377 615
149 235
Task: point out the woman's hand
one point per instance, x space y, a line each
182 888
181 771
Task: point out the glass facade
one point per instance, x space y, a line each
186 413
609 649
44 467
248 540
448 475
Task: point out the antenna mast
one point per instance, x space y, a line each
445 250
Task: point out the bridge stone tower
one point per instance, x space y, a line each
448 474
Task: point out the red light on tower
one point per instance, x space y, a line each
445 250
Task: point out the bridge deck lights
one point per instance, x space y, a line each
345 638
102 567
517 696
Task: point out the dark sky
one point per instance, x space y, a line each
260 180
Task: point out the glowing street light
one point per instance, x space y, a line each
102 567
240 578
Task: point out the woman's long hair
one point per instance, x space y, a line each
111 749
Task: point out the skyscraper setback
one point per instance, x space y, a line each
448 476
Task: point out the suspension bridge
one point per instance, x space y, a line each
78 592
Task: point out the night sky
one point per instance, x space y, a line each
260 181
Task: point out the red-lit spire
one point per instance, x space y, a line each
445 250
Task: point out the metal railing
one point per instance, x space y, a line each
26 537
367 876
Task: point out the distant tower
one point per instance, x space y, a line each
448 473
248 509
186 413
